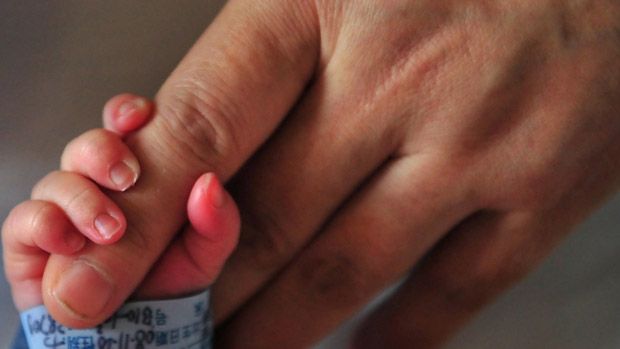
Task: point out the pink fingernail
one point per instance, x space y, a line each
123 175
106 225
127 107
215 191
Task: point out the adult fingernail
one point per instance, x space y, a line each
83 290
123 175
216 192
127 107
106 225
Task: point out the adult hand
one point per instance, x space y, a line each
491 126
476 134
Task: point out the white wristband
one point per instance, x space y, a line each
176 323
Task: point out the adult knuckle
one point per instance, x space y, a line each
264 241
198 124
336 280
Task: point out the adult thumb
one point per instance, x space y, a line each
221 103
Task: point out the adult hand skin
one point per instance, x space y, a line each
475 133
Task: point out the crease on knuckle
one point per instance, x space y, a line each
77 199
199 125
335 280
264 241
37 222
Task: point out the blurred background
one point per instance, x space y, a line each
61 60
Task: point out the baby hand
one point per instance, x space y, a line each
69 210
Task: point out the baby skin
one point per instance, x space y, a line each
69 209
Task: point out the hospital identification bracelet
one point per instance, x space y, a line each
181 323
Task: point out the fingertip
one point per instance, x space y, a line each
211 210
126 112
102 156
202 186
216 195
199 211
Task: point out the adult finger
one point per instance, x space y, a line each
371 242
193 261
126 112
475 263
32 231
89 209
103 157
294 184
478 260
221 103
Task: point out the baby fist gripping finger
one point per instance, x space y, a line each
35 229
191 263
196 257
212 116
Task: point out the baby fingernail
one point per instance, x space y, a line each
106 225
83 290
216 192
127 107
123 175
